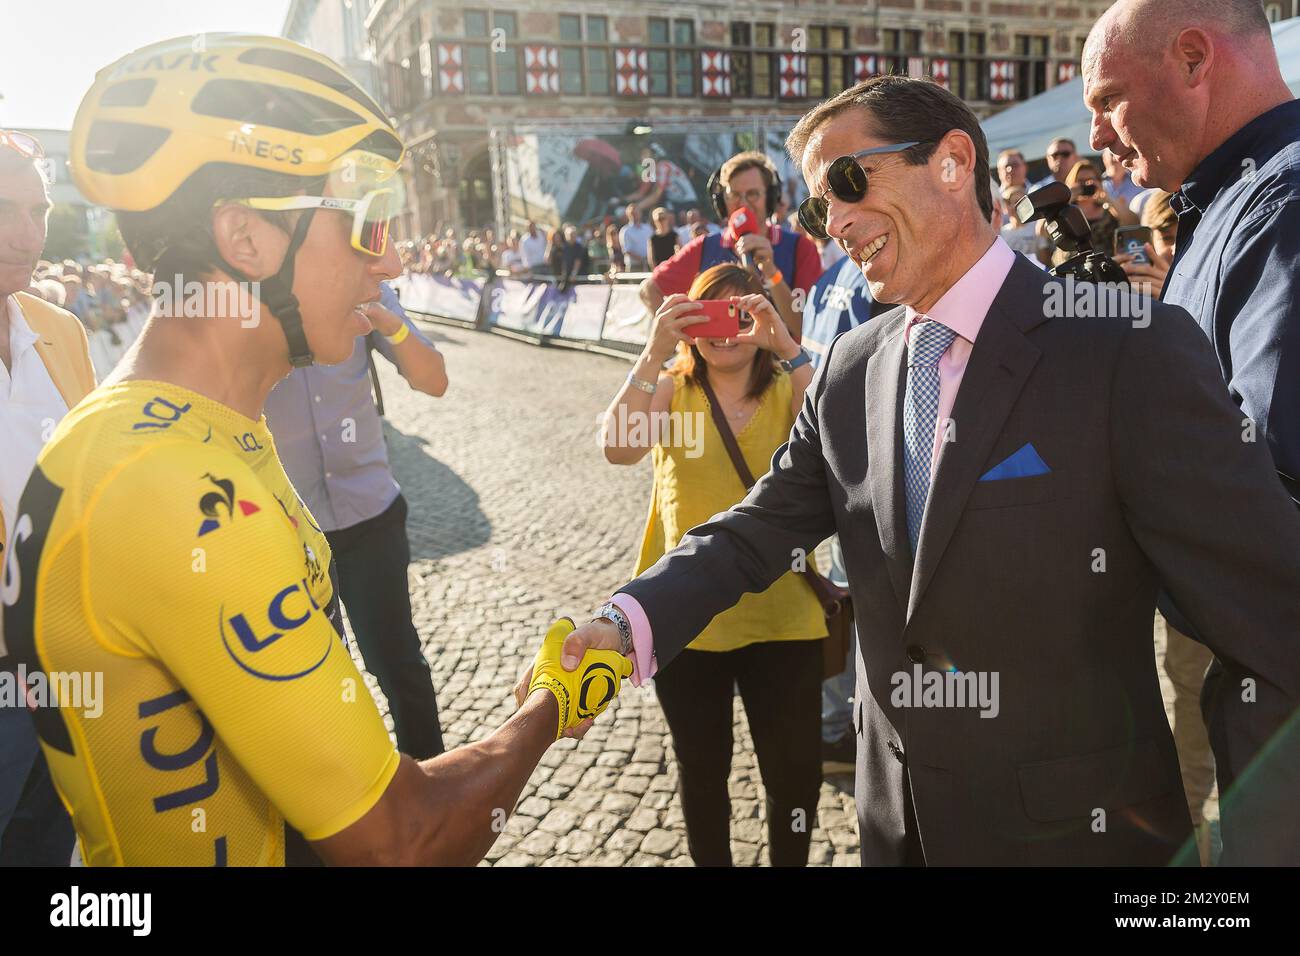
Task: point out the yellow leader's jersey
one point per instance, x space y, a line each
160 543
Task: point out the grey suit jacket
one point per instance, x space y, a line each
1047 581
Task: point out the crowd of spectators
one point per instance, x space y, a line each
598 247
99 294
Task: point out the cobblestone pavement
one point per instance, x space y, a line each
516 519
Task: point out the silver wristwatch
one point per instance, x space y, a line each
610 612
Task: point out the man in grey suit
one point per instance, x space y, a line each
1083 453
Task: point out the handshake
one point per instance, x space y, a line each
582 693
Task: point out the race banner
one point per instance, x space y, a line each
514 304
626 318
583 311
453 298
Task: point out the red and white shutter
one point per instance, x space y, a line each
939 72
1065 72
864 67
793 71
1002 80
541 70
631 76
451 68
715 73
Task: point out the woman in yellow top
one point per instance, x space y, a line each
767 645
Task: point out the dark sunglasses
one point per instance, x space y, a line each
848 181
1060 154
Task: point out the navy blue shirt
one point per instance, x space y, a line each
839 300
1237 270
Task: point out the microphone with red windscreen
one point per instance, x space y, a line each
741 222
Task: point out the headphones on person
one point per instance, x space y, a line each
717 191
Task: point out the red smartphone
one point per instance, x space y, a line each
722 320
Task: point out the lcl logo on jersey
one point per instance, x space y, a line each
212 504
248 441
263 644
163 414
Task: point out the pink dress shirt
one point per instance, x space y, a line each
962 308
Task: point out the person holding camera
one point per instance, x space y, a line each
768 644
781 258
1104 216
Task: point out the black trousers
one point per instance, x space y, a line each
371 558
35 830
780 684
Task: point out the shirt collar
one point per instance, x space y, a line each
963 307
1257 141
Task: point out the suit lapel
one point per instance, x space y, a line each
999 365
55 362
884 397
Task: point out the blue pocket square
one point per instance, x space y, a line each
1025 463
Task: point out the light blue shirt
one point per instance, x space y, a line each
839 301
329 435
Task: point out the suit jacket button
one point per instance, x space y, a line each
916 653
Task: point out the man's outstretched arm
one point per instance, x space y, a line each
449 810
741 551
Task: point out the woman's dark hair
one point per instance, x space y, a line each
720 282
901 109
176 237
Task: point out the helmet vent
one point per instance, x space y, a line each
301 66
276 106
129 93
118 148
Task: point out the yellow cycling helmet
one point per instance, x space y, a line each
158 115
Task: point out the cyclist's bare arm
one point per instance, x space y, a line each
449 810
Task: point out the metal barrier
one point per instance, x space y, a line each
592 312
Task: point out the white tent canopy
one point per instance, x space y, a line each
1032 125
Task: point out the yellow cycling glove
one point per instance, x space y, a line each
581 693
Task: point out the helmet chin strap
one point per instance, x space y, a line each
276 295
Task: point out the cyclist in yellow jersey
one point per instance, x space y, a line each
160 543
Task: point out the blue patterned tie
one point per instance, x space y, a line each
926 343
